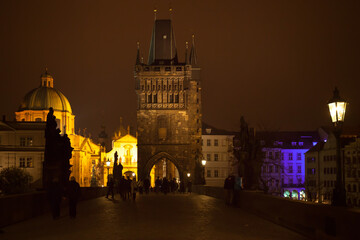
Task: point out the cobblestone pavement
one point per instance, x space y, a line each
174 216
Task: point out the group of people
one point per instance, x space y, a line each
56 192
232 184
165 186
126 187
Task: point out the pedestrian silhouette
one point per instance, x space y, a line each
73 193
110 184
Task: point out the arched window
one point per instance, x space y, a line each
150 98
38 119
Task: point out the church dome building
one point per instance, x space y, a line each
36 103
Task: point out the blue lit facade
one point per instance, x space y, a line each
283 162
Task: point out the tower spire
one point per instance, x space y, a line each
193 59
186 53
155 12
138 61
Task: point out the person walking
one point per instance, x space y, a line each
229 189
133 186
110 185
189 186
73 193
146 185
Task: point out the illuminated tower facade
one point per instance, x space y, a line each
168 108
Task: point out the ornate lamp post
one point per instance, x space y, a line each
203 162
337 108
108 166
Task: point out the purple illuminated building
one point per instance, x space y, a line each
283 162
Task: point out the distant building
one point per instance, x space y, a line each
22 142
321 169
126 148
217 148
283 162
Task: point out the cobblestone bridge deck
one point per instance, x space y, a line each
174 216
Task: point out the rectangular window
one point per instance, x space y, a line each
290 156
290 180
270 155
208 173
293 143
22 162
29 162
298 156
276 168
282 156
216 142
216 173
216 157
277 155
270 169
301 143
208 142
290 169
299 168
22 141
208 157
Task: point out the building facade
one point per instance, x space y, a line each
169 107
283 162
23 141
321 169
217 148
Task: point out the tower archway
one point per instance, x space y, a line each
163 165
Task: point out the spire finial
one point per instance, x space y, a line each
192 59
187 45
170 11
137 62
155 12
46 69
138 44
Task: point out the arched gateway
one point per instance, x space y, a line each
168 107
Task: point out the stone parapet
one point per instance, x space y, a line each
20 207
316 221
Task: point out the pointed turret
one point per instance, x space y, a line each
162 47
138 61
186 53
193 59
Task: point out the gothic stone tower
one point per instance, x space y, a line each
169 106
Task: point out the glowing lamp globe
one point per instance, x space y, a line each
203 162
188 174
337 108
108 163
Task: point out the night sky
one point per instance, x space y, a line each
275 62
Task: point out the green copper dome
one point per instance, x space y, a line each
44 97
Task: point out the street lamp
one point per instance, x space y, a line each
108 166
203 162
188 174
337 108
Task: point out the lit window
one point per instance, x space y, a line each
29 162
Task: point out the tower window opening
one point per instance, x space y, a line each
164 87
171 98
155 98
142 87
176 98
150 98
